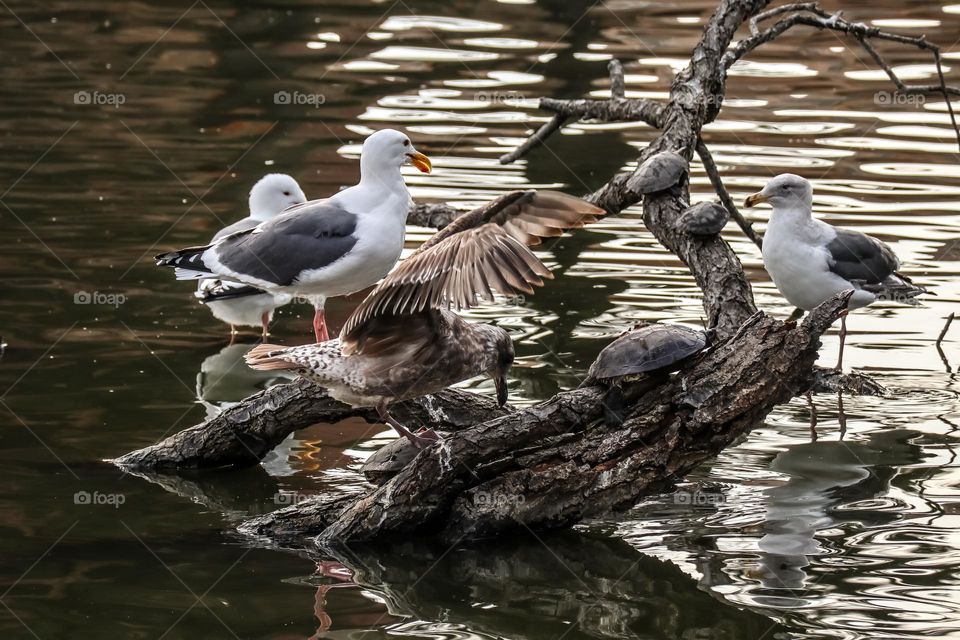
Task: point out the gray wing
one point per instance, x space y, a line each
240 225
857 256
312 236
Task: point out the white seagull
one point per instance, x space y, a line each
322 248
403 341
240 304
810 260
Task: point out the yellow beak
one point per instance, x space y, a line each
755 199
420 161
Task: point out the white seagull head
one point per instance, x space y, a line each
272 194
389 149
786 191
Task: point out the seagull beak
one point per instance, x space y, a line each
501 383
755 199
420 161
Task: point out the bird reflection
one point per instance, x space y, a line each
823 475
224 379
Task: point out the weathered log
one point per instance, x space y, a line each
243 434
555 463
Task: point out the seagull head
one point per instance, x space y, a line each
786 191
389 148
272 194
498 358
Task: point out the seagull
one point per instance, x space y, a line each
240 304
322 248
810 260
404 341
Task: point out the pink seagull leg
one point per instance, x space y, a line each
320 326
265 323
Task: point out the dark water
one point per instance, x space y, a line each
850 536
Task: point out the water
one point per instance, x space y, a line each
849 536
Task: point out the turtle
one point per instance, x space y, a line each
646 352
704 219
659 172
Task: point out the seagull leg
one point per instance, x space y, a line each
265 323
843 339
420 440
320 326
233 335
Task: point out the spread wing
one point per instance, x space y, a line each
480 252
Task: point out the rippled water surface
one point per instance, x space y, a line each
130 127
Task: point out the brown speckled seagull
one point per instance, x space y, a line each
404 341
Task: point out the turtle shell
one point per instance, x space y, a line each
654 347
704 219
659 172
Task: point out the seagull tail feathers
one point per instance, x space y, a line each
268 357
188 262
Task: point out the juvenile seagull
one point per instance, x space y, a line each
403 341
240 304
322 248
810 260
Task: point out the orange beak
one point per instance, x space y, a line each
420 161
755 199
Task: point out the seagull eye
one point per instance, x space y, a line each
406 143
286 193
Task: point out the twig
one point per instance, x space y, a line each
617 109
711 167
535 140
862 33
946 327
618 89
